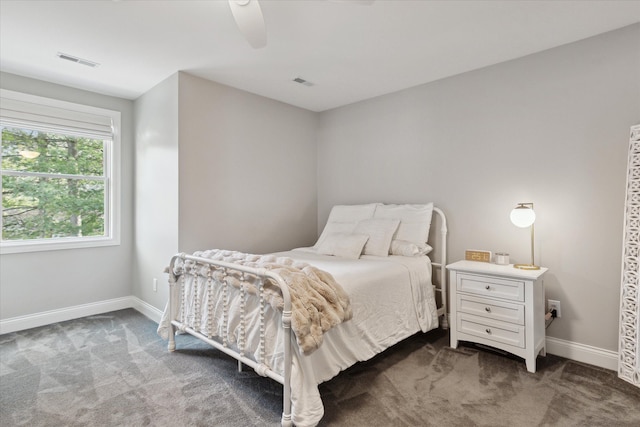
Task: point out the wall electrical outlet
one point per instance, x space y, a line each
554 305
155 285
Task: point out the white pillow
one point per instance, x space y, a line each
346 213
405 248
343 219
380 232
336 227
415 221
347 245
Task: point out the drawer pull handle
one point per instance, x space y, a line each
488 331
487 287
487 309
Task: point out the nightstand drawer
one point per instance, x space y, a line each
491 286
502 332
498 310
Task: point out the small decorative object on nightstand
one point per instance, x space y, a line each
498 306
477 255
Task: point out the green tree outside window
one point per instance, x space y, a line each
53 185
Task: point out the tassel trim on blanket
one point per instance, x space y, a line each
318 302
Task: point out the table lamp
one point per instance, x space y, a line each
523 216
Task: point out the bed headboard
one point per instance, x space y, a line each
438 240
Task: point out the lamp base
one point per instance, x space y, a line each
527 266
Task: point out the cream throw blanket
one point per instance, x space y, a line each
318 302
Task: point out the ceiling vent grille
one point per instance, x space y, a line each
302 81
72 58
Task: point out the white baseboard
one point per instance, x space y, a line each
20 323
147 309
583 353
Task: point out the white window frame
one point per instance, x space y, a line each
112 181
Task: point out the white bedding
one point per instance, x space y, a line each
392 298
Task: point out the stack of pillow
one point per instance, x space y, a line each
376 229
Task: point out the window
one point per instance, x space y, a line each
60 174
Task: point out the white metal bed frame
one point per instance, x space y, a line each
259 275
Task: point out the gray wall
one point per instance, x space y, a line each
40 281
156 189
247 170
551 128
218 167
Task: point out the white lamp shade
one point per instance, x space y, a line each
522 216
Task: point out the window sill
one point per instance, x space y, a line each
58 244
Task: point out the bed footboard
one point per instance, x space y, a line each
219 274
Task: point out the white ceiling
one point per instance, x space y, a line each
349 51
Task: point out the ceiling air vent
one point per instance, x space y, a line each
72 58
302 81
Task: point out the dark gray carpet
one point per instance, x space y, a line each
113 370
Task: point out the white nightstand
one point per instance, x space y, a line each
499 306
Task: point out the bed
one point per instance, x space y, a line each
302 316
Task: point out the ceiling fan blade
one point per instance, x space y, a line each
248 17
